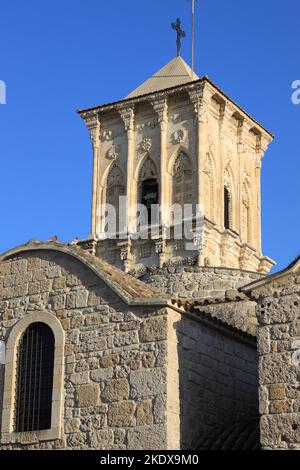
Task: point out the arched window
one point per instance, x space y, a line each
182 180
34 384
148 186
115 188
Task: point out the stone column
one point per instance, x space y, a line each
127 115
160 106
93 124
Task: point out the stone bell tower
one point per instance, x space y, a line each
178 139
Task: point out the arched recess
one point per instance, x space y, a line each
208 186
148 184
10 381
114 189
228 202
182 180
246 229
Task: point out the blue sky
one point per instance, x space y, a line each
60 55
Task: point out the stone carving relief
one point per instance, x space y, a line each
107 135
148 170
146 145
151 124
114 152
175 118
179 136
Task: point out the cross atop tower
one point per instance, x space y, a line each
180 34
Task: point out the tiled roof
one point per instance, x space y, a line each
131 290
233 436
292 267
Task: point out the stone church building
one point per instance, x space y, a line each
120 342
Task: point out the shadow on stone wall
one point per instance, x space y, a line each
218 380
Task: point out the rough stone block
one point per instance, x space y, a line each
154 329
101 439
148 383
87 395
149 438
144 415
115 390
121 414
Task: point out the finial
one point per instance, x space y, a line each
180 34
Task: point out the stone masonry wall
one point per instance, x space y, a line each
218 379
278 314
196 282
115 357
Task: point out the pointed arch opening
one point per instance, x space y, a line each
228 200
148 186
115 188
182 191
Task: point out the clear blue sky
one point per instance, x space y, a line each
60 55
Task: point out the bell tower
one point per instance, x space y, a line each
178 139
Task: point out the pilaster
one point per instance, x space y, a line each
128 117
93 124
160 106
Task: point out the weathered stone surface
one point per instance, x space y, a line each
144 415
121 414
72 425
277 392
109 361
101 375
147 383
101 439
87 395
154 329
115 390
150 438
80 378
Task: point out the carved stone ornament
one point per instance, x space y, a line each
176 118
146 145
127 116
179 136
160 106
114 152
151 124
107 135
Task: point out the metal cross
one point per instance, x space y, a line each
180 34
